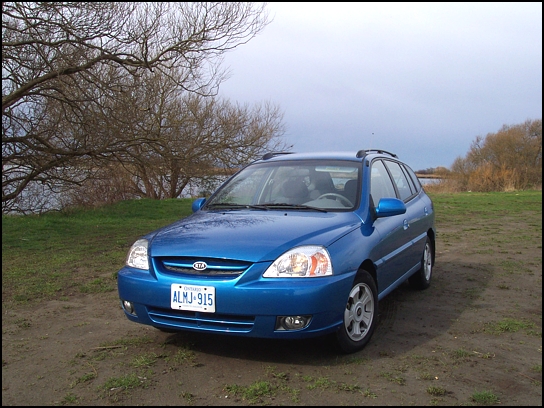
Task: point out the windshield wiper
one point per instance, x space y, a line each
227 206
265 206
287 206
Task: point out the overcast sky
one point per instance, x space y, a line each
419 79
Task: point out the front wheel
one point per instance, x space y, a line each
360 314
422 278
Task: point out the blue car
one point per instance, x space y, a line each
291 246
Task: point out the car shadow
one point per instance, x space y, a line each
407 319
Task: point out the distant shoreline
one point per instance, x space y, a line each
429 176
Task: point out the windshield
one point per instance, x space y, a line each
317 185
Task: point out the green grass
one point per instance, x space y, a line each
70 399
436 391
144 360
485 398
59 254
494 222
455 207
184 355
393 378
254 393
77 251
84 378
508 325
125 382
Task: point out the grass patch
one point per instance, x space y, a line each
394 378
272 372
70 399
369 394
508 325
436 391
99 285
144 360
461 354
52 255
484 398
324 383
254 393
348 387
124 383
182 356
453 207
319 382
84 378
480 211
189 397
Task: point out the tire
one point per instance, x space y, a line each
422 278
360 314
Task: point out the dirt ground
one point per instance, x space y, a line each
473 338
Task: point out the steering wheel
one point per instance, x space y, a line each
343 199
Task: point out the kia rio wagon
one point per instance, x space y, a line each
292 246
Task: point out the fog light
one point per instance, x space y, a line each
292 322
128 307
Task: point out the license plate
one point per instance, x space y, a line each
192 297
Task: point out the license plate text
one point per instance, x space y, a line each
192 297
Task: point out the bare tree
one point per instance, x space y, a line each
63 61
203 141
184 139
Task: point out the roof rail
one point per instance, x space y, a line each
269 155
362 153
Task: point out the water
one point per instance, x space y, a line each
427 181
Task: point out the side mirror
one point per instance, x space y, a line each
388 207
197 204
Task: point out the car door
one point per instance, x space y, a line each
421 208
414 219
393 256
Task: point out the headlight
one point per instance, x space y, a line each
304 261
137 256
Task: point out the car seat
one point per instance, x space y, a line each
322 184
350 190
295 191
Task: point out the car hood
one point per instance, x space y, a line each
249 235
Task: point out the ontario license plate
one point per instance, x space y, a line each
192 297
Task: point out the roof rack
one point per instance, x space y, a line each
362 153
269 155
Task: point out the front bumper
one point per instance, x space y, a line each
247 305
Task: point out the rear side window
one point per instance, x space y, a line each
400 180
410 181
380 183
413 177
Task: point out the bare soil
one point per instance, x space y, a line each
474 337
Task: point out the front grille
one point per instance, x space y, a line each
205 321
215 267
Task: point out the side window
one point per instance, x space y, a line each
400 180
380 182
414 178
410 181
